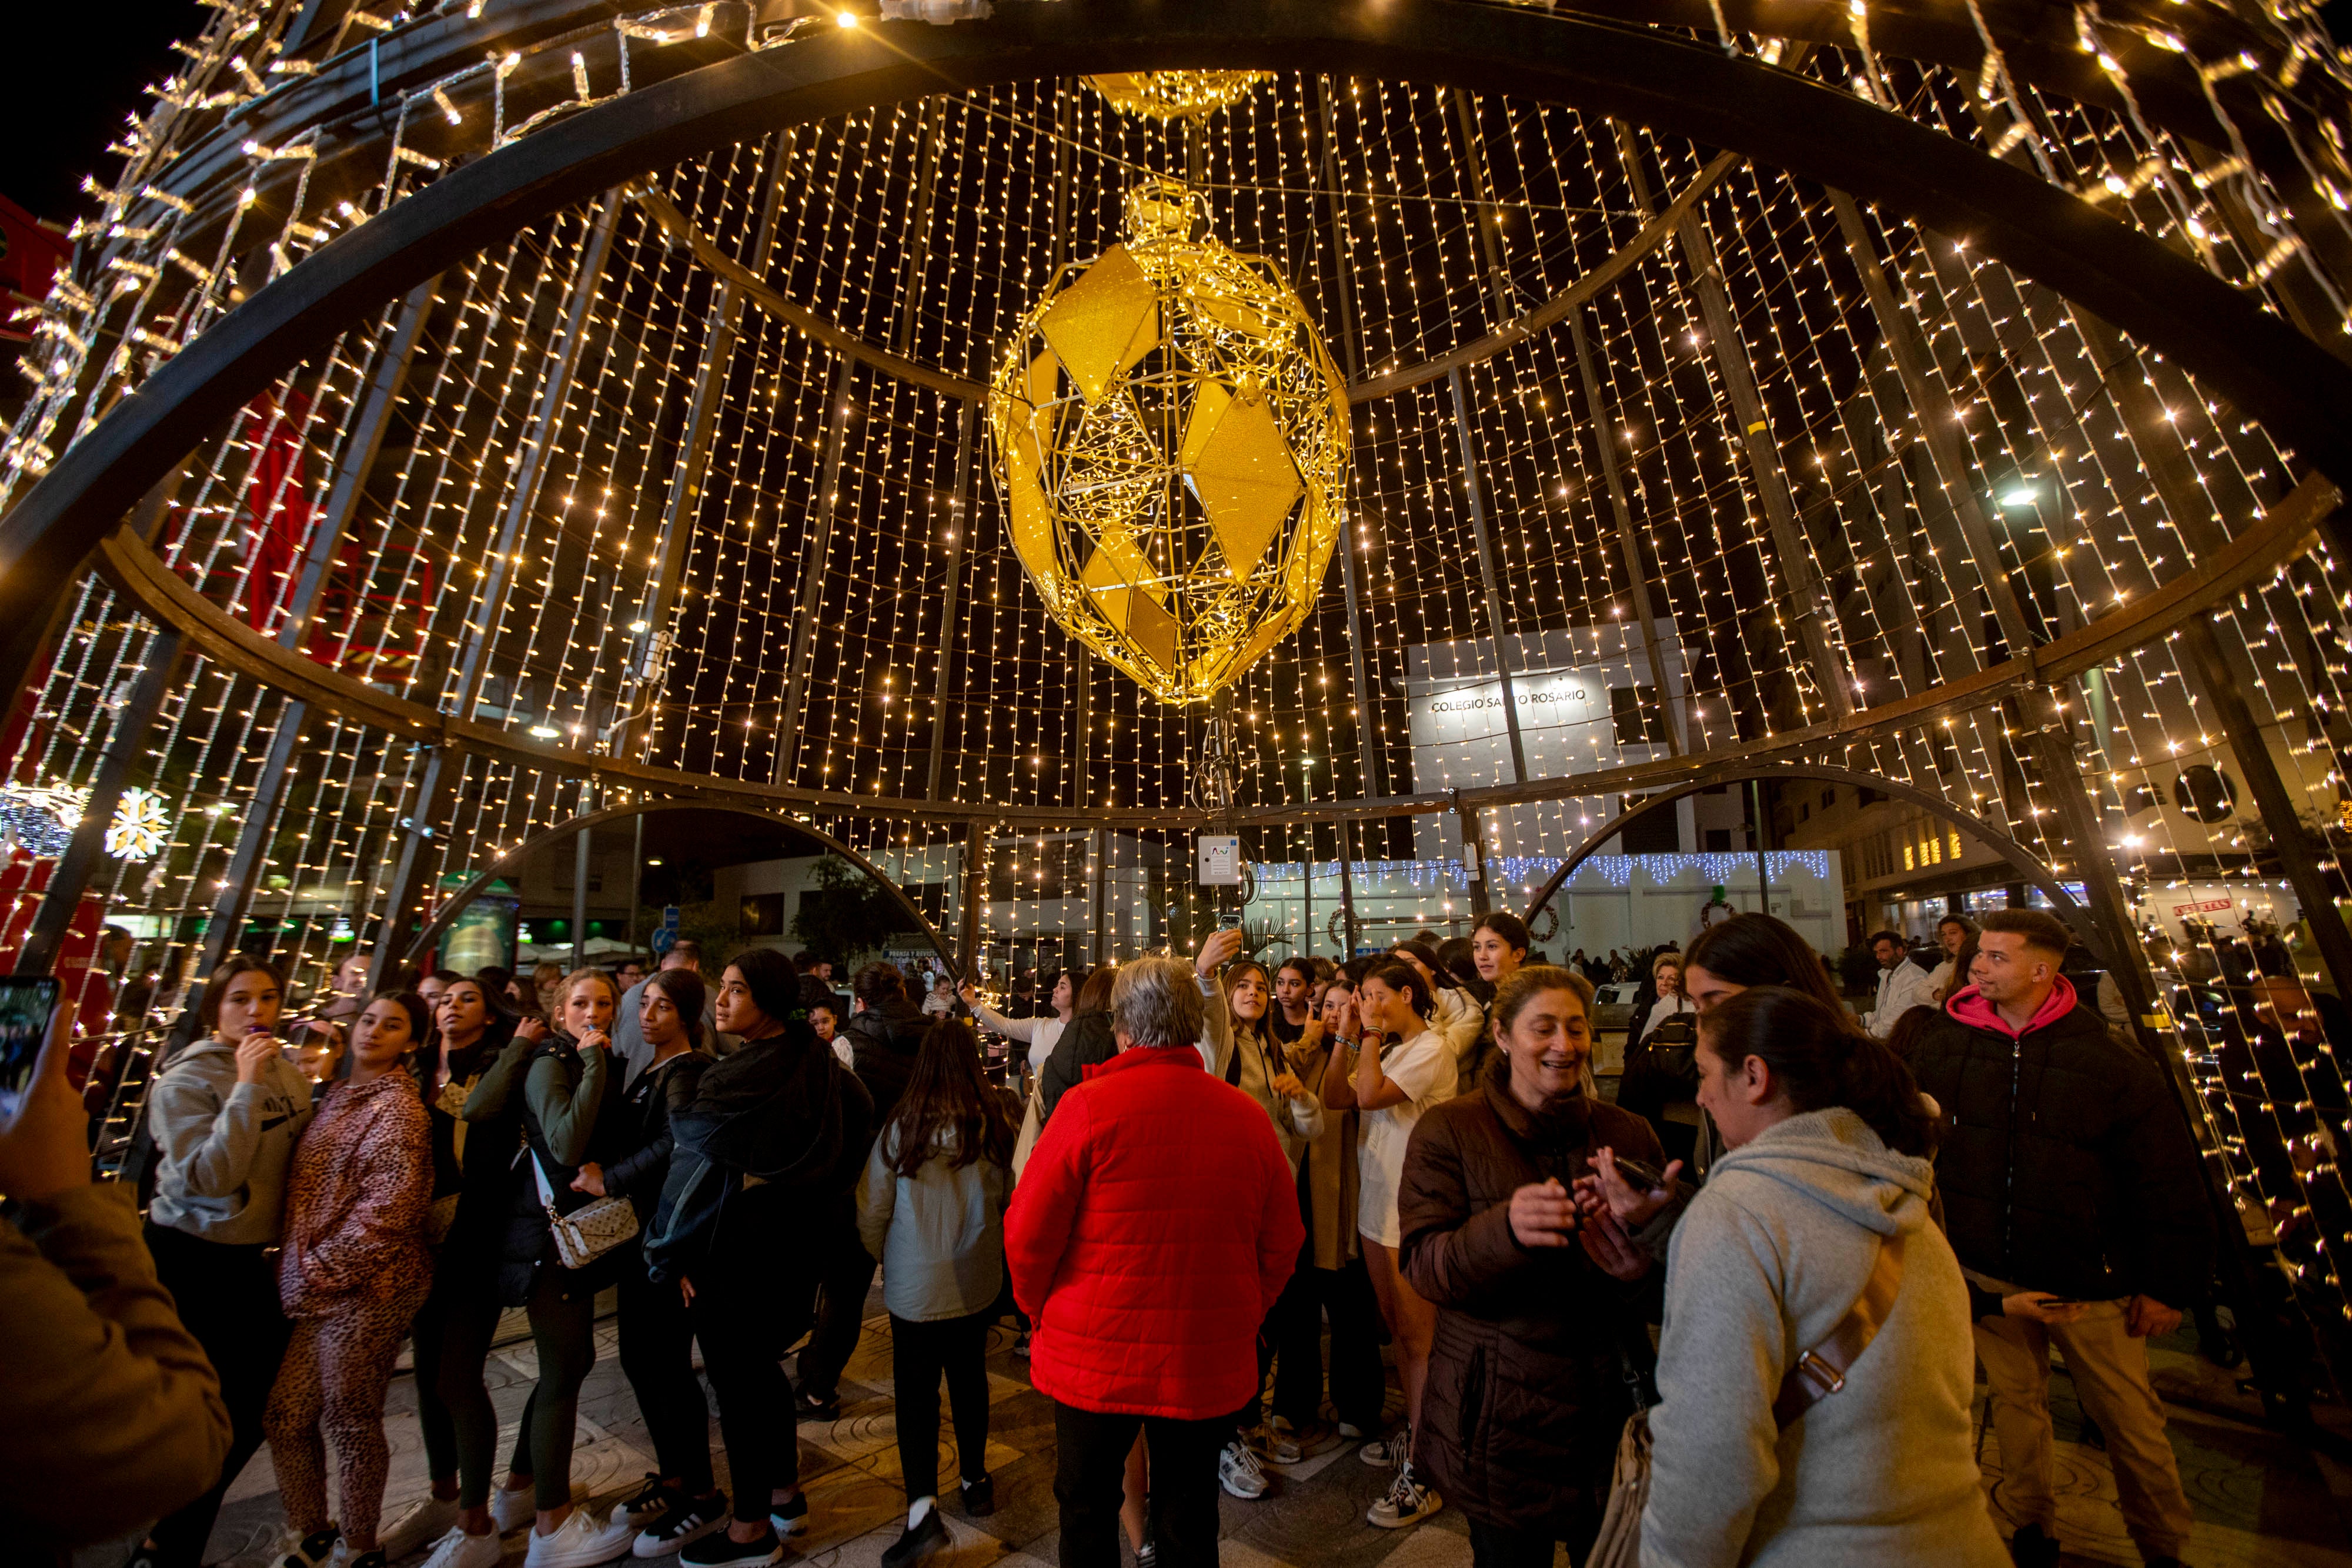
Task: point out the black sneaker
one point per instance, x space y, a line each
686 1519
314 1549
1148 1554
788 1518
715 1550
374 1559
808 1407
2033 1547
919 1542
656 1496
979 1497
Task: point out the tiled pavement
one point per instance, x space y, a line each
2261 1499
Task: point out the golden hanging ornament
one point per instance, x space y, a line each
1171 441
1177 94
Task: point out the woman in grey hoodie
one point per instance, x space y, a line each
225 1115
1829 1165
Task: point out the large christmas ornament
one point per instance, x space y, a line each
1177 94
1171 441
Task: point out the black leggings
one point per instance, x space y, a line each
453 1335
1359 1382
1090 1470
748 1307
920 1353
564 1330
227 1297
657 1355
847 1273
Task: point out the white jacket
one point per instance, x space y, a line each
1901 988
1766 1260
1457 1015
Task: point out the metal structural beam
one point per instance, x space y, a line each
1669 682
1474 489
1808 603
974 890
810 594
584 849
225 925
681 506
69 878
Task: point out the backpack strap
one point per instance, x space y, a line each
1821 1371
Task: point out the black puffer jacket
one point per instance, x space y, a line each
1527 1393
2065 1166
1086 1043
646 1106
884 1042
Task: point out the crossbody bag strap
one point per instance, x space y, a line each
1821 1371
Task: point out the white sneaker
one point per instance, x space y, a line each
1351 1431
1408 1502
510 1510
1239 1473
428 1520
1387 1453
459 1550
580 1542
1275 1445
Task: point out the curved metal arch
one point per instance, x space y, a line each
427 938
2267 369
2020 858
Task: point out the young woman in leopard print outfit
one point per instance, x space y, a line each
353 1271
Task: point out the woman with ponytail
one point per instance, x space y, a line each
1790 1429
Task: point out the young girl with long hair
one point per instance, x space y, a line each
225 1113
1391 1087
931 1208
453 1329
352 1273
566 1080
680 1502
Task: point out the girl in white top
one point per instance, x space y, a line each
1667 970
1039 1033
1452 1012
1392 1087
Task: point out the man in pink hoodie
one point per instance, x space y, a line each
2072 1197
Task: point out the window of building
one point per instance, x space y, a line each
1718 841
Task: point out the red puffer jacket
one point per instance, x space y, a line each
1154 1225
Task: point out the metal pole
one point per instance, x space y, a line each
1476 491
70 876
812 589
1473 854
636 878
1101 871
975 894
1346 890
581 854
1668 682
1763 870
959 520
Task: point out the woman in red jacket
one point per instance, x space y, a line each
1154 1227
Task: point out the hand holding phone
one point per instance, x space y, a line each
42 1148
26 1007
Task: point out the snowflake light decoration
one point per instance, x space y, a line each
140 827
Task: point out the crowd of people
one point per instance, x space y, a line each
1207 1196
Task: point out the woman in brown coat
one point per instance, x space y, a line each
1526 1393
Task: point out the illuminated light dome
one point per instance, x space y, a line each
1175 95
1171 443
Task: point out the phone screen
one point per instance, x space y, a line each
1230 920
25 1009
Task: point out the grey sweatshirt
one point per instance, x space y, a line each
1766 1260
938 1234
224 1144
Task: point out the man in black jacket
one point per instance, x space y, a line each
2071 1193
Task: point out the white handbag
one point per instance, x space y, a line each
1619 1545
589 1232
1032 1120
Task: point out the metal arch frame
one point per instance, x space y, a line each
446 914
1738 771
2266 367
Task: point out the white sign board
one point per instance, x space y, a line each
1219 858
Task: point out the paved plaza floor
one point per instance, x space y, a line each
2261 1499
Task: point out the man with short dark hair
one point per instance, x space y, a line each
628 1032
1902 984
630 972
2072 1195
1151 1232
